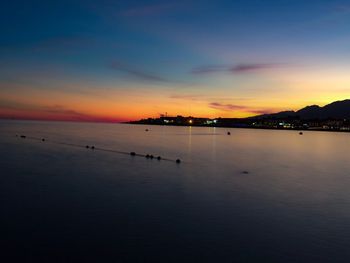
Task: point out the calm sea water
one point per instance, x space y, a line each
253 196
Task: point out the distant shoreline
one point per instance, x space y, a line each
193 125
233 127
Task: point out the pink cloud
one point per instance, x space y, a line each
233 107
14 110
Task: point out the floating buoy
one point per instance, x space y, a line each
228 133
146 130
92 147
245 172
300 133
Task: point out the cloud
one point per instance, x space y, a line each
142 75
233 107
17 110
210 69
252 67
226 107
149 10
263 111
58 109
234 69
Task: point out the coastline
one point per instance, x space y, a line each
243 127
185 125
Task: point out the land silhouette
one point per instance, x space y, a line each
334 110
331 117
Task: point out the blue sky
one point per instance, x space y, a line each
248 56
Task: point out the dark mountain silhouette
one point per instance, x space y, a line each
279 115
334 110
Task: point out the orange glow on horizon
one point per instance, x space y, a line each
108 104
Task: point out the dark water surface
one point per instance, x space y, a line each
254 196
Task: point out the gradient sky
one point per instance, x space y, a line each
124 60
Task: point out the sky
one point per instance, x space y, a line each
84 60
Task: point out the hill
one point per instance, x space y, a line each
334 110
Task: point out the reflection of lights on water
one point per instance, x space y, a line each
189 139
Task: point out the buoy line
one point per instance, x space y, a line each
94 148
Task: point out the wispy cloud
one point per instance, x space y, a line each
263 111
210 69
16 110
136 73
235 69
226 107
252 67
233 107
59 109
149 10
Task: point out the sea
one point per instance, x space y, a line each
252 196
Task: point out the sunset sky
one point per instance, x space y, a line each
125 60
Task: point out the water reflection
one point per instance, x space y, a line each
189 140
